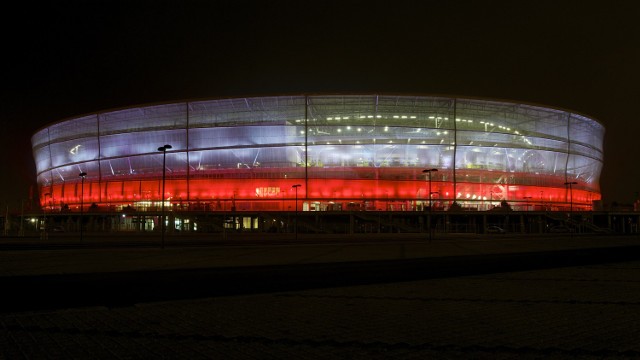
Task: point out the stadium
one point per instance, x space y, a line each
322 153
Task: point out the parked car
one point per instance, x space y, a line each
495 230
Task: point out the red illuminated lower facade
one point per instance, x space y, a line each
327 194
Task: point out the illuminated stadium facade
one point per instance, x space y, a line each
347 152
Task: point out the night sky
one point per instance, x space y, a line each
62 59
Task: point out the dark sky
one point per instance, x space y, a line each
63 58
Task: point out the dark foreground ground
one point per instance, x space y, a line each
452 298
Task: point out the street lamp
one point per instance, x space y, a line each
82 176
429 171
163 149
44 210
295 220
569 183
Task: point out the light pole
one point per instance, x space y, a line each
163 149
295 220
428 172
82 176
44 220
570 183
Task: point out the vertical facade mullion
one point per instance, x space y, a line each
99 159
188 162
566 164
455 149
306 146
50 170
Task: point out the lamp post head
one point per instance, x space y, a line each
165 148
429 170
82 174
296 186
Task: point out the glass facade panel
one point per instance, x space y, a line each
77 151
127 144
71 173
170 116
40 138
78 128
42 157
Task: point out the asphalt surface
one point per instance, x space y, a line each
112 289
452 298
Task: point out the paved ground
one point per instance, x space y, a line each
98 255
586 307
